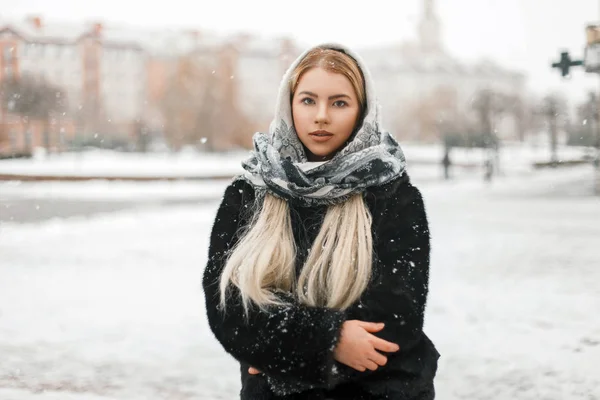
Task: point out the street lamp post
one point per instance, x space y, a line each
552 112
593 115
591 63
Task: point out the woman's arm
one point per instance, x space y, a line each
289 342
397 294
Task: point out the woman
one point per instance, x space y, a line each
318 266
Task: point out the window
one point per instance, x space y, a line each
67 52
30 50
61 136
28 139
7 54
12 134
91 58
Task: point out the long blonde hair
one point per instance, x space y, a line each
338 267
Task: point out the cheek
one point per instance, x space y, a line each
300 116
348 120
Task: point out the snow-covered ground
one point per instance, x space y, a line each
110 307
111 163
191 164
111 190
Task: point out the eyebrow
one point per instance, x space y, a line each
335 96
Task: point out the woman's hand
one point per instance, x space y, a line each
253 371
357 347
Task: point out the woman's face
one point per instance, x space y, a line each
325 109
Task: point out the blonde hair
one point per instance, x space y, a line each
333 61
338 267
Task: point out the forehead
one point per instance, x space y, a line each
321 81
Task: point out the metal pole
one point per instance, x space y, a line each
551 111
596 120
553 134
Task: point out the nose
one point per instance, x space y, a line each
322 116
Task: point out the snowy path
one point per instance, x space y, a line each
110 308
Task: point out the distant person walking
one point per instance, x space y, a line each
446 163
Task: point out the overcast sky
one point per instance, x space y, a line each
522 34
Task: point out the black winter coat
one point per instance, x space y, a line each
293 345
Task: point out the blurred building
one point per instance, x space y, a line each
121 83
101 74
126 85
425 91
237 78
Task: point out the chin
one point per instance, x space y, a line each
322 153
325 155
319 151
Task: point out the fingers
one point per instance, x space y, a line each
378 358
359 368
253 371
374 361
384 345
371 326
371 365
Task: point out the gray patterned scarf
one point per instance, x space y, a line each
279 164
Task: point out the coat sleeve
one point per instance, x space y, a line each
398 291
286 342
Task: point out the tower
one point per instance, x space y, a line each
429 29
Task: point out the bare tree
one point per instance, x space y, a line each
4 137
32 100
553 108
520 110
436 113
531 118
189 106
490 106
587 132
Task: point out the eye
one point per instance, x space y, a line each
307 101
340 103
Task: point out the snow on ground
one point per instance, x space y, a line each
111 308
147 191
111 163
514 288
423 161
112 190
194 164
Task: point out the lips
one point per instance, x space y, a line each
320 136
321 133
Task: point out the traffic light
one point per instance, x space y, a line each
565 63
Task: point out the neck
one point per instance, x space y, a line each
314 158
